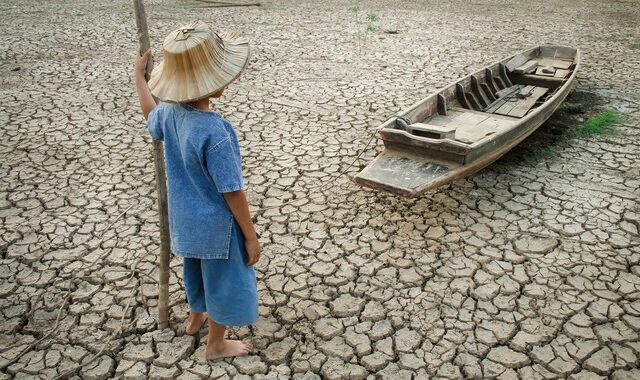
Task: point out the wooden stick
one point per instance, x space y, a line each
222 4
228 5
161 182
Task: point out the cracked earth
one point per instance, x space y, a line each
530 269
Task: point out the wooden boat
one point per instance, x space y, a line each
471 123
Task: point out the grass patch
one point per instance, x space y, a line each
598 125
545 152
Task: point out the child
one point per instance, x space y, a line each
209 219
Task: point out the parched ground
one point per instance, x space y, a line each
529 269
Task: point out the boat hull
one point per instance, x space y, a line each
411 165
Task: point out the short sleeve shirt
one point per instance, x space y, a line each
203 161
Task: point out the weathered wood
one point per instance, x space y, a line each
538 80
542 72
453 151
432 131
501 85
442 105
558 52
527 68
517 61
490 125
504 76
509 91
557 63
506 107
525 105
478 93
487 91
480 137
415 169
462 96
502 98
503 117
161 183
526 90
561 73
488 74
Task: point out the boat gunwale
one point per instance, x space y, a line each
466 169
385 127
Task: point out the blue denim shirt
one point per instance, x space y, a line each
203 161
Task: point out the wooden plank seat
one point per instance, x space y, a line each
469 126
540 71
519 103
432 131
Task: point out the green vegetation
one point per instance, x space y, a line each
598 125
545 152
372 18
362 25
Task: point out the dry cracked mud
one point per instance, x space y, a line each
529 269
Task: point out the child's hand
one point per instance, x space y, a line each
141 62
253 250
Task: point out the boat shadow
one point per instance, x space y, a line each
554 133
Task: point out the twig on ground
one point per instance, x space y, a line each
53 329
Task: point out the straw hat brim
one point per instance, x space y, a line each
201 70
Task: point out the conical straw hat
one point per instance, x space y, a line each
197 63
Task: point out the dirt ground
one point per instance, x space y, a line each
530 269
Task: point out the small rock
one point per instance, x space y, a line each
250 365
137 372
411 362
346 306
279 352
507 357
336 369
601 362
138 352
162 373
407 340
535 245
99 370
327 328
336 347
375 361
171 353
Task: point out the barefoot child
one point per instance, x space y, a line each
209 220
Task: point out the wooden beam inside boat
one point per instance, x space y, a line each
478 93
488 77
442 105
524 105
537 80
504 76
427 151
504 117
488 92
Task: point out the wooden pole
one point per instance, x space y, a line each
161 182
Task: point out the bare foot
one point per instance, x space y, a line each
226 349
195 322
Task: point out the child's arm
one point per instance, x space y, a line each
146 99
237 201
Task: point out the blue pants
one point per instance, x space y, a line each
225 288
